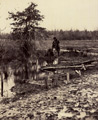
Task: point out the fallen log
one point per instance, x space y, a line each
75 67
88 62
67 70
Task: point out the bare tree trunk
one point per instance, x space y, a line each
26 71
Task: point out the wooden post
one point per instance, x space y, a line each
68 76
56 78
1 84
46 82
36 69
83 66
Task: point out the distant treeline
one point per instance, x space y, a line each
74 34
5 36
61 35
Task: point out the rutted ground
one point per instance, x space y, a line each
77 100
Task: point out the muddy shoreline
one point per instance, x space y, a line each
77 100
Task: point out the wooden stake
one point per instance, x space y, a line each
36 69
1 85
68 77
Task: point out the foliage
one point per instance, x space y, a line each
26 22
5 36
42 34
75 34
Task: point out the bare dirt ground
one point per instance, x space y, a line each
76 100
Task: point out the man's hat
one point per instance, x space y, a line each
54 38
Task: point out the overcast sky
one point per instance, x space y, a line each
59 14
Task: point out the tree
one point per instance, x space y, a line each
27 21
24 25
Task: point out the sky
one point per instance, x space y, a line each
59 14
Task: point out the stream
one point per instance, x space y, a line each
7 85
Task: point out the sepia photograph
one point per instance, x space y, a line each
48 59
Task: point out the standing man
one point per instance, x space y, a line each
55 45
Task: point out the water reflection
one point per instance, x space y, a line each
7 85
